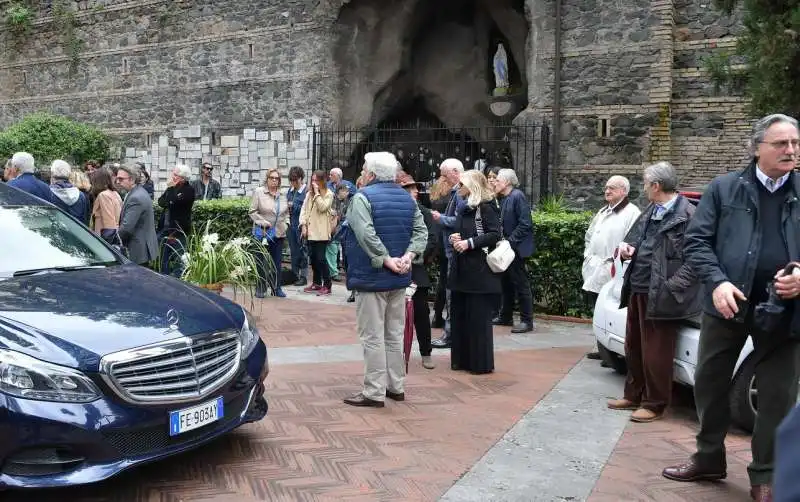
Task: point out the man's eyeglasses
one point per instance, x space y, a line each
123 178
782 145
208 168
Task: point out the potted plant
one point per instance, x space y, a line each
211 263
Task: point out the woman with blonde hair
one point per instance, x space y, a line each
474 287
440 197
269 211
316 225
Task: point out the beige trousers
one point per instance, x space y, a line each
381 319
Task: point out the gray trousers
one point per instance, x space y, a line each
380 318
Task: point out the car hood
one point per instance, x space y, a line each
74 318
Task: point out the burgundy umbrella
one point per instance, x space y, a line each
408 331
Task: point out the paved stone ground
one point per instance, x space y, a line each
535 430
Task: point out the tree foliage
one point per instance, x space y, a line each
770 48
48 137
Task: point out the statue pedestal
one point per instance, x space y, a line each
506 104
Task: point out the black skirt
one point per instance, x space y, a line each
471 342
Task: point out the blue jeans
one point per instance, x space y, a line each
275 253
172 248
298 252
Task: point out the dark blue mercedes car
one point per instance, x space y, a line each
105 364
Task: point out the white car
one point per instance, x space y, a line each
609 330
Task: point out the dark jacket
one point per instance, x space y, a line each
393 213
214 189
517 223
786 482
469 272
419 274
296 197
27 182
150 188
675 292
177 202
70 199
724 239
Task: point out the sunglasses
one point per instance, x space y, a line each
274 178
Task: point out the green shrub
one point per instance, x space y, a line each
555 268
19 19
48 137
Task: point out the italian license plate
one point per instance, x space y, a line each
195 417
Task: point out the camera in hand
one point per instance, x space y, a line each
769 314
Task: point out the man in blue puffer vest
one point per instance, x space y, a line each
386 232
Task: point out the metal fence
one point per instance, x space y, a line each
421 149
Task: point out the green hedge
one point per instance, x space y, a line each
555 269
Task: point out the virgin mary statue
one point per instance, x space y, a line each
501 68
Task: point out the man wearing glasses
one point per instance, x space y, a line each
744 232
206 187
137 228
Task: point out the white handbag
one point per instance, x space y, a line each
500 259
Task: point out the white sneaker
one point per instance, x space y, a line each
427 363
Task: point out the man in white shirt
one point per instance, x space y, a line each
608 228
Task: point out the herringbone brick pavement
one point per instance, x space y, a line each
633 473
312 447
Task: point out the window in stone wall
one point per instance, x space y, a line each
604 127
250 50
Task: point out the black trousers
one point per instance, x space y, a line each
321 273
267 279
472 344
422 321
441 288
516 286
721 341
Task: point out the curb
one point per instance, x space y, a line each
576 320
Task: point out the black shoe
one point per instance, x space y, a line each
441 343
352 297
593 355
497 321
260 293
301 282
523 327
360 400
437 323
396 396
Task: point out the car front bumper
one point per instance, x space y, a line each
48 444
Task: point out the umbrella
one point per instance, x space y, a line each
408 332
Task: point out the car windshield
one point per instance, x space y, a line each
43 238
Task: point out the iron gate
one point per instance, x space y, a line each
525 148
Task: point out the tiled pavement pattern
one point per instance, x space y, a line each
633 473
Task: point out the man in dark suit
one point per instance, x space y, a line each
22 163
137 228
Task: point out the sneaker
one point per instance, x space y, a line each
324 291
280 294
427 363
311 289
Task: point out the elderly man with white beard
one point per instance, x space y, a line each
608 228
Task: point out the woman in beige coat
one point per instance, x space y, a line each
269 211
107 204
316 224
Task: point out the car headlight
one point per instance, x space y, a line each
26 377
248 335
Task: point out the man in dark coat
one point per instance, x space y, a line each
660 289
22 163
744 231
176 201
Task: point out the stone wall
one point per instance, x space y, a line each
240 161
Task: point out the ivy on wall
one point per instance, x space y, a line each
66 24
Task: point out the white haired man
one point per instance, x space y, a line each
741 237
26 181
176 221
65 194
451 170
335 183
386 231
608 228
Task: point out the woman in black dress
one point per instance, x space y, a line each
474 287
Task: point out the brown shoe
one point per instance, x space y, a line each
643 416
761 493
360 400
690 471
396 396
622 404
